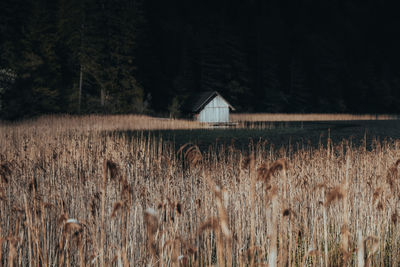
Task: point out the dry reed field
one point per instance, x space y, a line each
143 122
105 123
308 117
75 197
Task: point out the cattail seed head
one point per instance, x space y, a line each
333 195
113 168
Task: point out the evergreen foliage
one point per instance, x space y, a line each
136 56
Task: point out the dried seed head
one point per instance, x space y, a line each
392 175
62 219
2 195
179 208
113 169
5 172
211 223
376 194
150 217
246 162
94 206
278 165
286 212
333 195
191 249
289 212
72 225
127 190
395 217
191 154
198 203
313 252
264 173
117 206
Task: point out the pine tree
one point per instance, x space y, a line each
12 20
127 93
108 55
71 34
236 79
31 55
40 64
300 95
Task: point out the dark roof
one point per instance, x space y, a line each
198 101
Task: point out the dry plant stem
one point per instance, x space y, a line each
67 245
273 251
345 227
43 223
290 245
103 196
382 242
220 249
11 254
223 233
325 232
283 253
226 248
29 231
81 255
252 169
125 236
1 245
360 249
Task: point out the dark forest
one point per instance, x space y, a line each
149 56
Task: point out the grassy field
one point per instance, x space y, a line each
79 192
281 134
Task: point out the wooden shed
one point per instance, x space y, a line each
209 107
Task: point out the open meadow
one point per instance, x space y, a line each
79 191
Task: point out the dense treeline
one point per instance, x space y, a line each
147 56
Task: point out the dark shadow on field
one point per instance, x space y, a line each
282 134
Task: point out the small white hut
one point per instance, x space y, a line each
210 107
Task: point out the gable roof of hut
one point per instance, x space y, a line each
198 101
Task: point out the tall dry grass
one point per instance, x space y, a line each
271 117
71 197
85 123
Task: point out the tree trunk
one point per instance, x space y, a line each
102 96
80 90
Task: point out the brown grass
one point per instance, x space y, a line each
52 124
71 197
271 117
